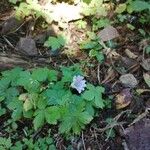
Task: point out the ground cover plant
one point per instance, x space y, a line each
74 75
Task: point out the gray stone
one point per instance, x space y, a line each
27 46
10 25
128 80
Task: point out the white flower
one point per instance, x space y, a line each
78 83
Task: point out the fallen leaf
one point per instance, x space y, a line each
130 54
141 91
147 79
108 33
146 64
123 99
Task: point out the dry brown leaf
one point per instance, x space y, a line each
146 64
130 54
108 33
123 99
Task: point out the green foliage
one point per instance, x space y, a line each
94 95
95 7
5 143
55 42
101 23
93 46
81 24
14 1
133 6
28 143
39 95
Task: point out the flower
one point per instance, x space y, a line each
78 83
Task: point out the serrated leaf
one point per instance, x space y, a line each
11 93
28 114
39 119
12 75
88 95
17 106
2 111
139 5
52 75
52 114
121 8
55 42
40 74
30 84
74 117
42 102
94 94
55 96
61 40
70 72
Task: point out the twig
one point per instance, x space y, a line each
141 116
8 42
98 74
83 142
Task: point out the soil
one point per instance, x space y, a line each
108 73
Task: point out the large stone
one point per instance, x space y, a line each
137 136
10 25
27 46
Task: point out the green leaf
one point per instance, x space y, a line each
28 114
147 79
138 5
40 74
27 105
13 1
12 75
52 114
55 96
5 143
147 49
74 117
130 26
88 95
17 107
88 44
30 84
39 119
42 102
69 72
121 8
55 42
2 111
87 1
94 94
61 40
52 75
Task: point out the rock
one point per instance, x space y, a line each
146 64
108 33
128 80
137 136
27 46
10 25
